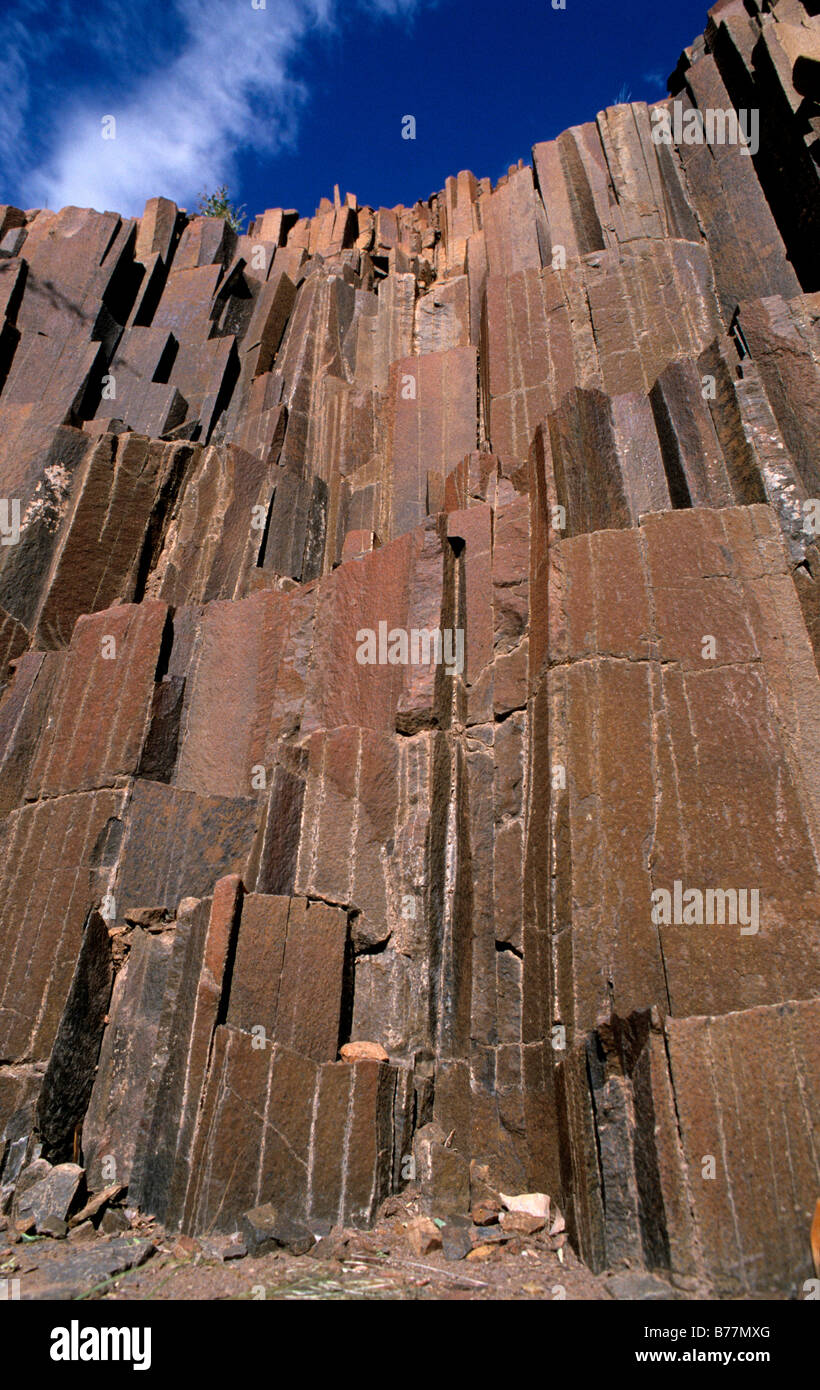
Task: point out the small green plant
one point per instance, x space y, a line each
218 204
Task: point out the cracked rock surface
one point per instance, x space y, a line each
410 711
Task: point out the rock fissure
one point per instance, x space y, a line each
405 912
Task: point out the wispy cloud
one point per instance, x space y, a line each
210 79
52 52
656 80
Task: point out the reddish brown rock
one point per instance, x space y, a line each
112 657
716 1089
433 424
423 1235
310 992
45 907
409 625
362 1052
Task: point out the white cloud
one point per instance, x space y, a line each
179 127
35 37
14 91
12 84
655 79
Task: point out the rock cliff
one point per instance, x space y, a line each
568 873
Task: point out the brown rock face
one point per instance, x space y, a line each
409 696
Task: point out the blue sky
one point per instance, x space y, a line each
282 102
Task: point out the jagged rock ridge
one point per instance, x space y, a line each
575 417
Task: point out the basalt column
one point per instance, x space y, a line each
409 635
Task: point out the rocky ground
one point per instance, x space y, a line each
135 1259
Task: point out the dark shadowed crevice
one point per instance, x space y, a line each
348 986
260 559
670 453
70 1074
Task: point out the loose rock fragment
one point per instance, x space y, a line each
50 1197
522 1223
423 1235
456 1238
363 1051
265 1228
531 1203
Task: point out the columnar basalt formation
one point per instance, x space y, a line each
573 420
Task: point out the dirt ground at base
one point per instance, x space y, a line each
364 1275
379 1264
